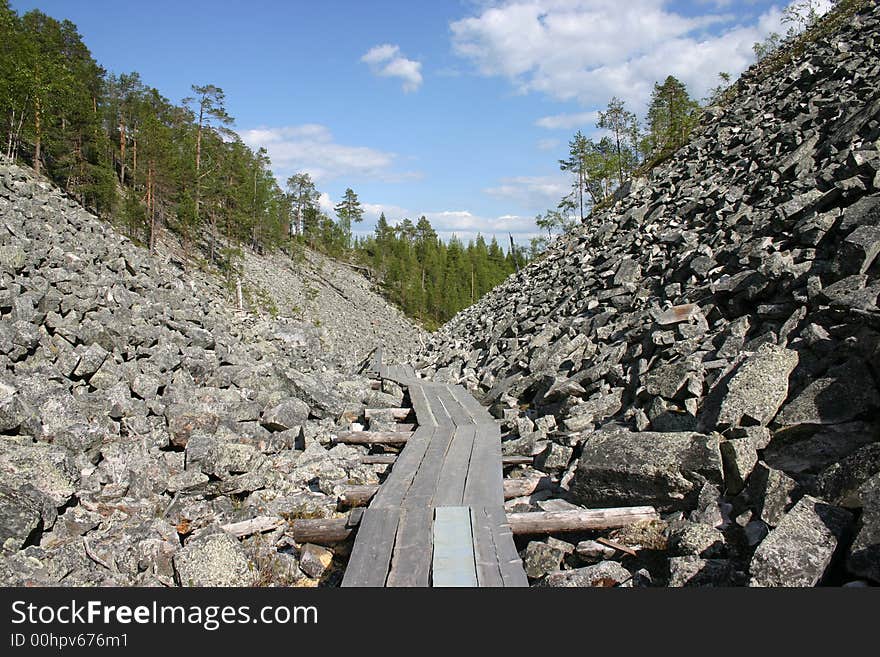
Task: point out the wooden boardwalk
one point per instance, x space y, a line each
438 519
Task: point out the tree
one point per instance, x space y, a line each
304 198
623 125
349 211
672 115
578 149
209 102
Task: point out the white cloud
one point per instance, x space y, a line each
387 61
548 144
311 148
590 50
535 193
569 121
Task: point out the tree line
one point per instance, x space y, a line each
123 150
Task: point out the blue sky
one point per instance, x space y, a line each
455 109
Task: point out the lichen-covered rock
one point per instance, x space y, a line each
798 551
20 516
215 559
666 470
864 554
541 559
604 574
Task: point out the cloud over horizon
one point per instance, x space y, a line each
386 60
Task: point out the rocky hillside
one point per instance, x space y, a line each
153 435
710 344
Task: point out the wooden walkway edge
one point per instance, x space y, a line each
438 519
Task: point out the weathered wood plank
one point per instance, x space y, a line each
509 562
477 411
420 404
454 472
484 482
424 484
396 413
378 459
371 554
453 563
257 525
549 522
457 413
396 486
373 437
488 568
413 550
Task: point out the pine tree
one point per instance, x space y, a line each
623 125
349 211
671 117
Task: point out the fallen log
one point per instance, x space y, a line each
551 522
353 496
396 413
373 437
335 530
324 531
517 460
257 525
378 459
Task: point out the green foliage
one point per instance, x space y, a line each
672 115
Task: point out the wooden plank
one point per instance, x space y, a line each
424 484
420 404
453 562
373 437
512 572
413 550
378 459
454 472
371 554
476 410
484 481
488 568
457 413
550 522
438 409
398 483
517 460
396 413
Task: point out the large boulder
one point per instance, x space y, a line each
755 391
864 555
666 470
800 549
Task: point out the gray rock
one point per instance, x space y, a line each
693 571
864 554
860 249
757 388
541 559
20 517
593 551
694 538
739 458
666 470
770 493
798 551
604 574
288 414
847 393
215 559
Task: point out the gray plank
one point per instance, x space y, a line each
421 406
512 572
476 410
454 472
441 414
488 568
453 562
396 486
484 486
424 485
457 413
413 549
373 546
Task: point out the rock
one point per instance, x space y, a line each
848 392
840 481
798 551
619 468
690 571
315 560
739 458
694 538
45 467
604 574
288 414
541 559
811 448
12 410
860 249
554 458
593 551
20 517
863 559
215 559
770 493
757 388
